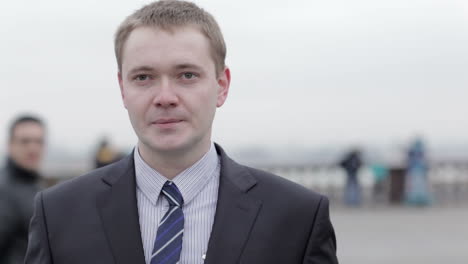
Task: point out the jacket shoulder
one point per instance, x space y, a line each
277 189
86 185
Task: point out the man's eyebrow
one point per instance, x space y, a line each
188 66
141 69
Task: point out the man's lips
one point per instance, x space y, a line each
166 121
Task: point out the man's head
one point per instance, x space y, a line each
171 75
170 15
26 142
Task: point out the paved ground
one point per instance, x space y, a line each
398 235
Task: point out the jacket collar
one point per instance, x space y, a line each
119 213
234 218
236 212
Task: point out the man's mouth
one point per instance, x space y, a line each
167 123
163 121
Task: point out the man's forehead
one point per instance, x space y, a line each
28 128
180 47
154 35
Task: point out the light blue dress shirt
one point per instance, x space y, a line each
198 185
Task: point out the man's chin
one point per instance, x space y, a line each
169 147
172 145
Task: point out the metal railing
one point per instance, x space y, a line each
448 181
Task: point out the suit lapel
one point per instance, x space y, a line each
235 213
119 213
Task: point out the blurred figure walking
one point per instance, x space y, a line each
19 182
416 181
380 188
351 163
105 154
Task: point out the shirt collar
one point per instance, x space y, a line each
189 182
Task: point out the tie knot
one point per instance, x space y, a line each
173 195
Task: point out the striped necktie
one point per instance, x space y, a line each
168 243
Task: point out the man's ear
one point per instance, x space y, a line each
224 80
119 77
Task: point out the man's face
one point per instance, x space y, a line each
26 145
170 88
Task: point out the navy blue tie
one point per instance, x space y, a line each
168 243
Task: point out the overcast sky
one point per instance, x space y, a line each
307 73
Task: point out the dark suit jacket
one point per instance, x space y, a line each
260 219
16 208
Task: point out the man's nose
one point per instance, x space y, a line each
166 95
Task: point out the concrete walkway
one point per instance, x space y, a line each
399 235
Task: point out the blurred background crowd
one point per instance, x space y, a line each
352 177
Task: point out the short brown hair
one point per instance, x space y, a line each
168 14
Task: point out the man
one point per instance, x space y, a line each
178 198
18 185
351 163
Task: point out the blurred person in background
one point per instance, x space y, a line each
417 189
380 188
351 163
105 154
19 182
178 197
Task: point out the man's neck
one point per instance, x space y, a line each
172 164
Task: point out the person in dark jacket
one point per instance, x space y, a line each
351 163
19 182
177 197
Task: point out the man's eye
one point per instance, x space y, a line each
188 75
142 77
